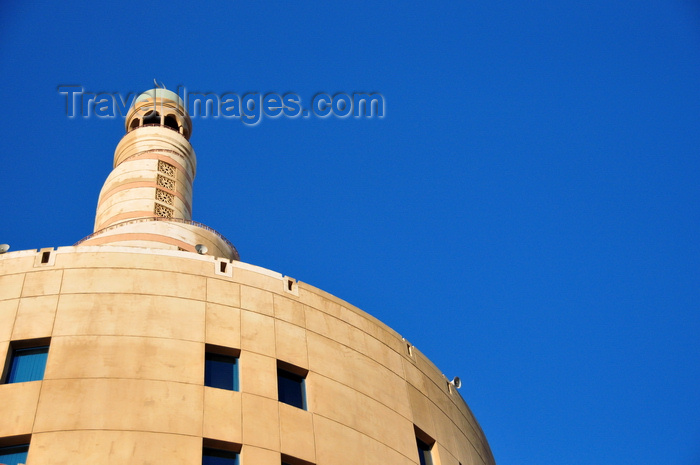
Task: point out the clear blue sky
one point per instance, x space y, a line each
526 213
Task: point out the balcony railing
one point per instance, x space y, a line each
171 220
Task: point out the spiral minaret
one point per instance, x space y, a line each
146 200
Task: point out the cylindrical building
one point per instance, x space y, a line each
138 347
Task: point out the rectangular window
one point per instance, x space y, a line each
424 453
14 455
27 364
290 388
221 371
212 456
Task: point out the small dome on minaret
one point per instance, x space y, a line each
159 93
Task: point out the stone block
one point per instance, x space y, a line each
8 312
289 310
130 315
261 425
258 375
125 447
297 433
35 317
223 325
220 291
257 333
42 283
257 300
11 286
130 281
143 358
18 407
222 415
122 404
290 343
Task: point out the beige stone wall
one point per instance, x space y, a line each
124 376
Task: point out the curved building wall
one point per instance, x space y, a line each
124 379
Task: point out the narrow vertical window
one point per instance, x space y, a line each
27 364
424 453
219 457
291 389
221 371
14 455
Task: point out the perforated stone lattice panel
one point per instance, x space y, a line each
167 168
166 182
163 211
165 197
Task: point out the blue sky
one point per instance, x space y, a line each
526 213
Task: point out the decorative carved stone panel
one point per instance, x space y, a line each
165 197
166 182
163 211
167 168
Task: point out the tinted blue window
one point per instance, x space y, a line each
27 364
14 455
219 457
221 371
290 389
